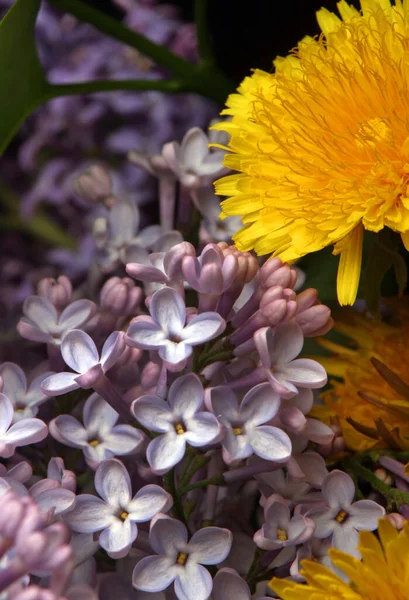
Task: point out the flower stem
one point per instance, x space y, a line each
136 85
216 480
202 32
170 486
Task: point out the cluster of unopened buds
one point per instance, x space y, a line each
180 445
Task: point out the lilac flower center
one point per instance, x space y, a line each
282 534
342 516
181 558
94 443
122 515
180 428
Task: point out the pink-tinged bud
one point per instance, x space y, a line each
57 291
90 378
93 184
383 475
120 296
150 375
315 320
397 520
274 272
173 260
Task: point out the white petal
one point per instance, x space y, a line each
112 349
365 514
224 403
153 574
68 430
238 446
203 327
259 405
202 429
303 372
346 539
6 413
193 583
41 312
14 380
145 335
165 451
168 310
270 443
287 343
149 501
167 536
195 148
89 515
118 537
153 413
98 415
211 545
27 431
35 396
338 490
228 585
123 221
186 395
112 482
123 439
175 353
75 314
60 499
79 351
59 383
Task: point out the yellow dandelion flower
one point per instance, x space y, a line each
321 145
364 394
383 573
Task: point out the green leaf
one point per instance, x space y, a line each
22 83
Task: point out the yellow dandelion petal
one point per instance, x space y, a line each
321 145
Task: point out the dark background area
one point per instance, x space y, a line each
250 33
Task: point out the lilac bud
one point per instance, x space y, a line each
93 184
397 520
57 291
150 375
383 475
120 296
315 320
274 272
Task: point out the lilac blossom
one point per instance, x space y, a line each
342 518
293 420
66 478
246 428
100 437
228 585
25 396
180 561
178 421
42 323
167 331
278 350
24 432
51 497
117 513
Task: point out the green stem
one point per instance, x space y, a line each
392 495
170 486
216 480
202 32
136 85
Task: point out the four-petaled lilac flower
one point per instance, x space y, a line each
341 517
25 397
179 421
167 330
280 530
81 355
42 323
22 433
99 438
293 420
180 561
278 350
116 515
245 432
192 161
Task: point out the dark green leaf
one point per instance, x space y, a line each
22 82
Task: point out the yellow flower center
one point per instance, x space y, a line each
181 558
282 534
179 428
341 516
94 443
124 515
237 431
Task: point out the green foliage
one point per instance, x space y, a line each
22 82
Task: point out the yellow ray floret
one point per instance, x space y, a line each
383 573
321 145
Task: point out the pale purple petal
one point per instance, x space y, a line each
154 573
112 482
259 405
30 331
168 310
68 430
153 413
14 380
211 545
76 313
238 446
195 148
112 349
167 535
118 537
89 515
59 383
41 312
79 351
123 439
287 343
303 372
224 403
123 220
186 395
145 335
324 520
194 582
365 514
228 585
175 353
346 539
98 415
270 443
27 431
6 413
34 395
165 451
263 339
318 432
203 327
300 528
338 490
202 429
59 499
149 501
